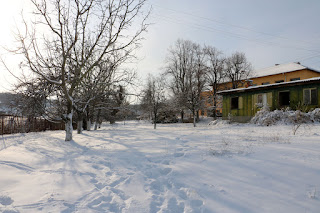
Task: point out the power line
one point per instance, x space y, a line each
211 29
232 25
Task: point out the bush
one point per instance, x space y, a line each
286 116
167 116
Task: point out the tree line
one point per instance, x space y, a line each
190 69
73 53
74 50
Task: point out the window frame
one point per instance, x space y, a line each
311 100
262 100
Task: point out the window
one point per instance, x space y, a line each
294 79
265 83
284 98
280 81
261 100
310 96
235 103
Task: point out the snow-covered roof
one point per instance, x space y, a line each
281 68
270 85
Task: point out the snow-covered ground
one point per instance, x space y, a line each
176 168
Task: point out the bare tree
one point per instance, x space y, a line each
75 37
154 97
238 69
100 90
177 66
186 69
215 72
195 81
118 100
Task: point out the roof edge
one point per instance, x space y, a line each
238 90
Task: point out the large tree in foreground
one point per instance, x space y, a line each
68 40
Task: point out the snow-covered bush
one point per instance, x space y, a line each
267 118
167 116
315 115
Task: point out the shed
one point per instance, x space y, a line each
242 104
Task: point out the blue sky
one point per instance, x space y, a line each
268 32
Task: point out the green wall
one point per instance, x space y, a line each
249 109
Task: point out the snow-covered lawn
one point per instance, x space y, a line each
176 168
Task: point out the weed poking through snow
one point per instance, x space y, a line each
226 147
313 193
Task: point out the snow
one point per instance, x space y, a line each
176 168
269 85
279 69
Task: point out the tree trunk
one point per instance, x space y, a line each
182 114
97 119
79 123
155 122
89 125
88 120
68 122
198 117
68 126
194 118
215 106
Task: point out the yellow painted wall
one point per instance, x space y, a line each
302 74
207 102
207 97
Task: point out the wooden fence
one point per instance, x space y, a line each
10 124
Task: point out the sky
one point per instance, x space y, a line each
268 32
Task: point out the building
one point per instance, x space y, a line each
241 104
277 74
283 73
207 101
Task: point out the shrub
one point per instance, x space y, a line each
286 116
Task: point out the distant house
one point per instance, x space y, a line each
243 103
283 73
277 74
207 109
